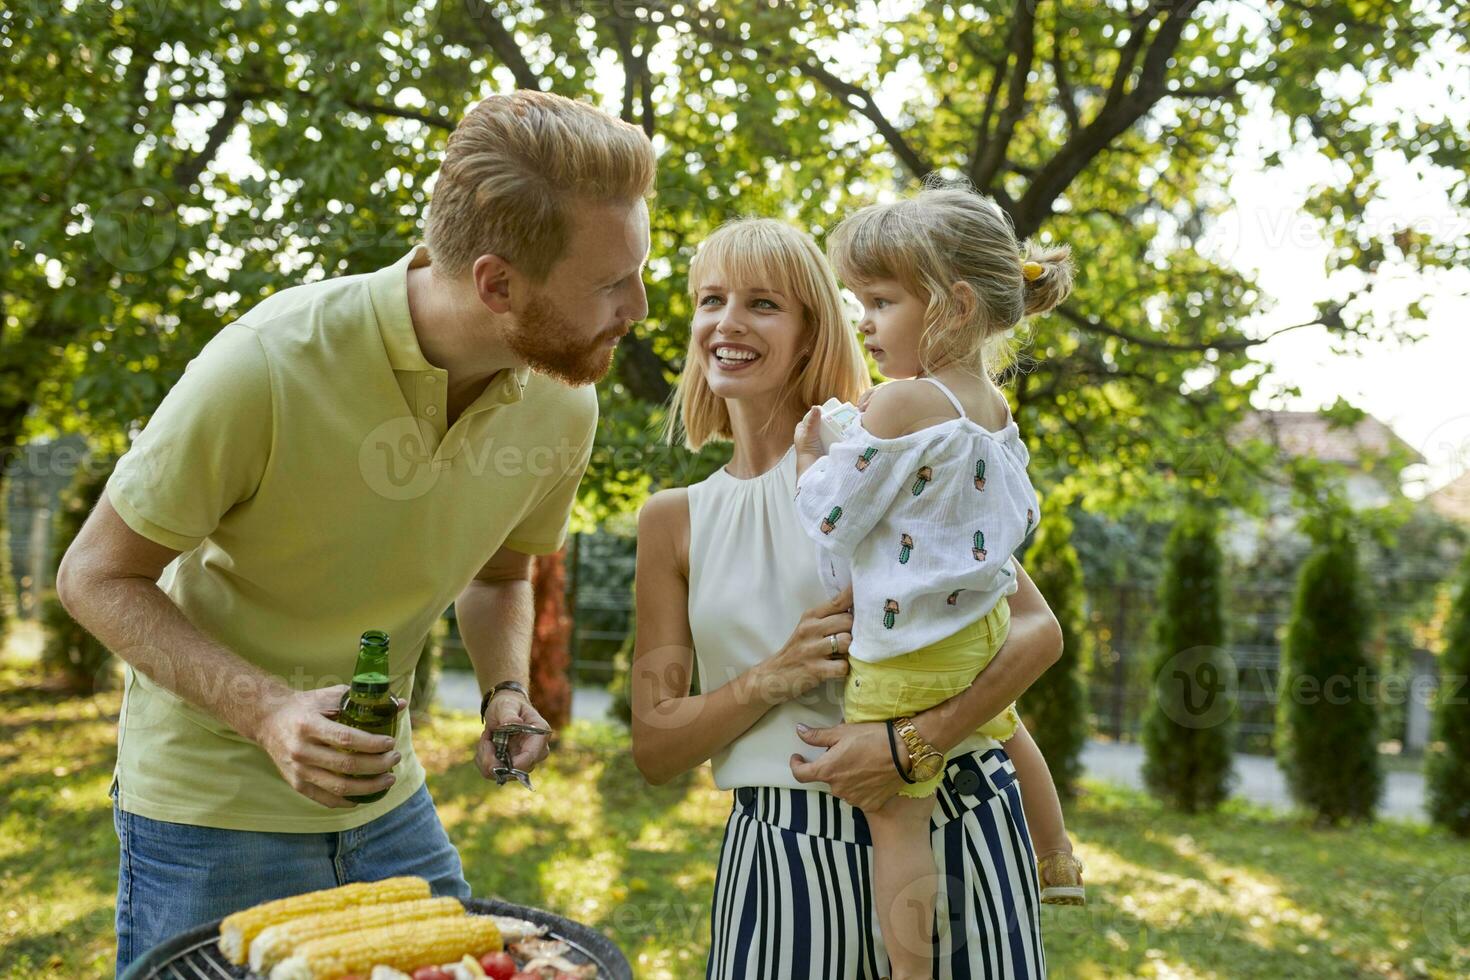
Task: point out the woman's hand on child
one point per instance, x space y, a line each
815 653
857 766
809 446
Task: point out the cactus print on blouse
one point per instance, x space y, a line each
925 474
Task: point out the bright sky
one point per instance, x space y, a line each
1417 388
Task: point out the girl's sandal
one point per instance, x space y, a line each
1061 879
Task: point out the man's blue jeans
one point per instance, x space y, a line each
172 876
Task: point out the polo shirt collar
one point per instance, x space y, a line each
389 290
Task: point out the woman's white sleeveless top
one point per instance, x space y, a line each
752 573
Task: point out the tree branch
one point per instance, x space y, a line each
370 108
1128 53
1154 343
1066 97
853 96
620 33
188 171
388 110
1118 113
635 75
503 43
1022 48
992 97
642 370
1226 90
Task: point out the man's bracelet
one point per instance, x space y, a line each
892 748
516 686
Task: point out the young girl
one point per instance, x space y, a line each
920 506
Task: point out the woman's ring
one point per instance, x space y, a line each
832 638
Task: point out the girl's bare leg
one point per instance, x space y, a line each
905 883
1039 799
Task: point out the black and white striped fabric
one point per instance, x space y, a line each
793 894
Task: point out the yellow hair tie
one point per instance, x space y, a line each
1032 270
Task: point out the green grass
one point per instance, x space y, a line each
1241 893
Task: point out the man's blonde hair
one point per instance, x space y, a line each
750 252
514 171
946 235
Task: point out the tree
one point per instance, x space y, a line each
1447 763
180 165
183 161
1326 722
1055 708
74 655
7 581
1187 726
551 689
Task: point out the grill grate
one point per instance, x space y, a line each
200 958
202 961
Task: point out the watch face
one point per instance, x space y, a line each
927 767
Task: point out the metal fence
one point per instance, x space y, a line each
1120 620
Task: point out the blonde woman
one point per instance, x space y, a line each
726 579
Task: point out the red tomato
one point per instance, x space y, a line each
498 966
431 973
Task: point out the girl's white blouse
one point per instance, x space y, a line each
922 525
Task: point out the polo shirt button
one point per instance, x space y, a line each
746 796
967 782
431 411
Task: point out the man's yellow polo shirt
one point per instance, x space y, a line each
303 466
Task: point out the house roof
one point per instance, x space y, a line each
1309 434
1453 499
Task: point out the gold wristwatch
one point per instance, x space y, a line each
925 761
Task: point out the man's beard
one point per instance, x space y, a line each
549 343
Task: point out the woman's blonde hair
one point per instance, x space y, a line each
771 254
943 236
515 169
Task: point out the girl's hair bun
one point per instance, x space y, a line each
1047 288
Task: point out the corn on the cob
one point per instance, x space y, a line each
428 942
276 942
237 931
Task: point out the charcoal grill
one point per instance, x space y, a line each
195 955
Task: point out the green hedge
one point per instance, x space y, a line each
1327 723
1055 708
1188 726
1447 763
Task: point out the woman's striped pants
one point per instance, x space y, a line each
793 894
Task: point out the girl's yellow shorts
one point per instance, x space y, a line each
916 681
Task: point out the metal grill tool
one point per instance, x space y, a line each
500 739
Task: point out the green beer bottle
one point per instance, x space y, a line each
367 705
